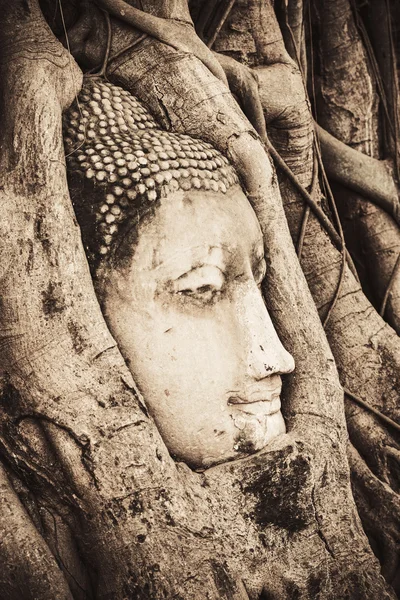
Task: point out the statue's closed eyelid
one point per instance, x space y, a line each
200 277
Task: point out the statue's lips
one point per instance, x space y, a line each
257 405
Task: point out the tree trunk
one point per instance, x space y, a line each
365 349
108 513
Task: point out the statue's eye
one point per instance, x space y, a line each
202 285
204 293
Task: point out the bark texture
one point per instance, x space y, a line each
366 350
348 108
74 429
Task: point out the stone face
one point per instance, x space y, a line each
186 310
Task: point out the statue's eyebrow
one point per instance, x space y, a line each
196 262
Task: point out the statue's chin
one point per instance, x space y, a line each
253 434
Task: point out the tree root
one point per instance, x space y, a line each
373 410
381 525
359 172
179 35
243 83
28 569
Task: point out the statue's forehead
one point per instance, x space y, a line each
206 230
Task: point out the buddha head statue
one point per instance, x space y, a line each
177 259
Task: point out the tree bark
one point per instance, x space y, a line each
73 425
365 349
348 109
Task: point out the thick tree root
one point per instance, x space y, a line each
360 173
28 568
179 35
367 352
150 527
382 521
348 108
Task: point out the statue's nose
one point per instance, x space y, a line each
266 354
